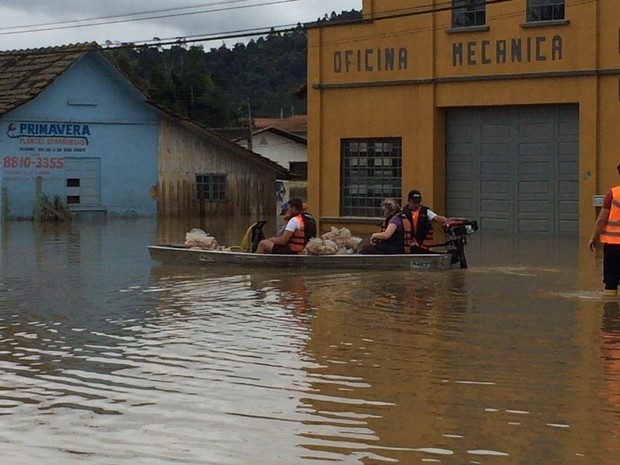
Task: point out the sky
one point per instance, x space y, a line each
47 23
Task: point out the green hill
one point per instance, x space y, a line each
214 86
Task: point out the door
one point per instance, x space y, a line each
514 169
83 181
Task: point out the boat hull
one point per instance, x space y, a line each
172 255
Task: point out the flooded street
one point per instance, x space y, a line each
107 357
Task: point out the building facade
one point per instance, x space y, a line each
503 111
69 117
288 150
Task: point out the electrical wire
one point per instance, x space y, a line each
287 28
101 18
121 19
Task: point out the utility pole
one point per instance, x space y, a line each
249 126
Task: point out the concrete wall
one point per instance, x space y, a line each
396 78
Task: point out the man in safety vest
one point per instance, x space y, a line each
607 231
421 218
286 215
295 235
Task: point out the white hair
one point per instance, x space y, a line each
392 205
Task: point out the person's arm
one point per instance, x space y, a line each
435 217
292 225
283 239
385 235
598 227
440 219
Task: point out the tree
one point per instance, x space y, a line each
213 87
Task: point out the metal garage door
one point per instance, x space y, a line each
514 169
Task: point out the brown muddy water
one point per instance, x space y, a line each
109 358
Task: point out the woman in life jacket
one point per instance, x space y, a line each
391 238
293 239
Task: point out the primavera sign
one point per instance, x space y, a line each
50 133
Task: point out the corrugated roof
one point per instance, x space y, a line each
24 74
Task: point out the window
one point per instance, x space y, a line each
299 169
371 172
545 10
466 13
212 185
73 197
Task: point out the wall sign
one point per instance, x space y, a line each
41 149
519 50
369 60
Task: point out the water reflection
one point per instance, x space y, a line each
107 357
610 358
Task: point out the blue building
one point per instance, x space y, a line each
71 118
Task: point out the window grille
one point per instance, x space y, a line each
213 185
371 172
466 13
545 10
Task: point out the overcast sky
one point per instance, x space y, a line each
45 23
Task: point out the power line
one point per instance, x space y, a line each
391 14
408 30
395 14
73 21
122 18
261 31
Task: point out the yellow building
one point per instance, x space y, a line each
505 111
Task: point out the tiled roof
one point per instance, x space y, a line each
24 74
295 124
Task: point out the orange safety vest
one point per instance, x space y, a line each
611 231
428 240
409 238
297 242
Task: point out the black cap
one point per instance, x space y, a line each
414 195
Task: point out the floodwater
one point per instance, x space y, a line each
109 358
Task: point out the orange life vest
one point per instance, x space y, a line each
611 231
409 239
297 242
426 241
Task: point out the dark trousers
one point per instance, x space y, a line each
611 265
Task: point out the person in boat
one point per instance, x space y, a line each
391 238
286 215
299 228
421 219
607 230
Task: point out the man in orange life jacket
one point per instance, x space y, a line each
421 219
293 239
607 231
286 215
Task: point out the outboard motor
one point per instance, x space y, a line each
457 230
257 235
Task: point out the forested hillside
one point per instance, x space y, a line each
214 86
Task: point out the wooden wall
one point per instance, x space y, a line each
183 153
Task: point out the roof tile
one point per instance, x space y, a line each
24 74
